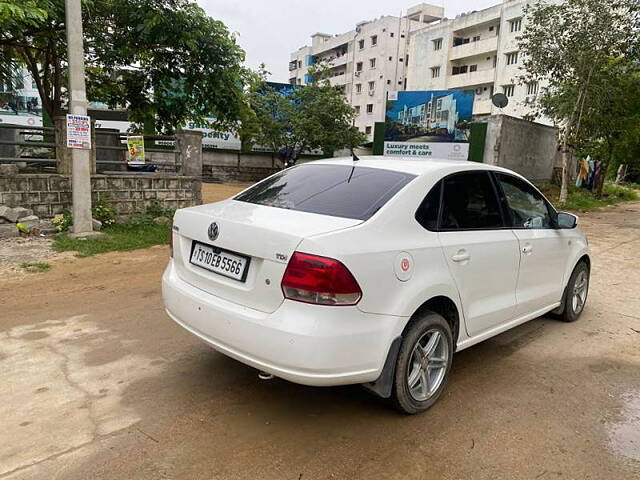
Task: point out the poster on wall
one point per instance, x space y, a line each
428 124
78 132
135 147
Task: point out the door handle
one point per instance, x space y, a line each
461 257
527 249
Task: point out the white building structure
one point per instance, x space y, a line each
366 62
424 51
474 51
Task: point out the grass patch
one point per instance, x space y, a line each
118 237
35 266
581 199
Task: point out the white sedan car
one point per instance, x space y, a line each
373 271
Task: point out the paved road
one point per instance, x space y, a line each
96 382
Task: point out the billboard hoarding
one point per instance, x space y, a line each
428 123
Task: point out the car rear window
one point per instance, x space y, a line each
336 190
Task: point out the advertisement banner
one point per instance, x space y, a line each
448 150
428 124
78 132
135 147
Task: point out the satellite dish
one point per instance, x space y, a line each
500 100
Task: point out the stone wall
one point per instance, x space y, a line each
49 194
525 147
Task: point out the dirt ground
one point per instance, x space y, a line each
97 382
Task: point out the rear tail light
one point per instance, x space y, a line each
319 280
171 243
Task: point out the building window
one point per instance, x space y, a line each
402 35
372 86
359 67
437 44
372 62
435 72
460 70
389 82
391 34
369 107
473 68
299 63
532 88
361 44
374 40
512 58
515 25
476 38
299 81
508 90
491 29
367 129
358 87
357 109
390 58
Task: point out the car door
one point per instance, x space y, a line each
481 253
544 249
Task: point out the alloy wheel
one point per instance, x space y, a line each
579 294
427 365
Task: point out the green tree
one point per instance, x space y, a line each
161 59
569 46
14 14
312 117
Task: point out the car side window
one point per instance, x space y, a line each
427 213
526 207
469 202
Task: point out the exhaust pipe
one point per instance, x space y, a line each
264 375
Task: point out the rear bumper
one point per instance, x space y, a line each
307 344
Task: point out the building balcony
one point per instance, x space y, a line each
474 48
337 61
482 107
470 79
338 80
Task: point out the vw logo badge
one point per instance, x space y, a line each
213 231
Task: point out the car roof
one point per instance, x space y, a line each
413 166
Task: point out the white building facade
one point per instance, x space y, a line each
424 51
366 62
475 51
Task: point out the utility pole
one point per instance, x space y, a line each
80 167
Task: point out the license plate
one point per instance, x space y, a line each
222 262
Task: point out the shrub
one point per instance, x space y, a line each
103 212
63 221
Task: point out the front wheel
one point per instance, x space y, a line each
576 293
423 363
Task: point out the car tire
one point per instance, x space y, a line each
423 363
575 296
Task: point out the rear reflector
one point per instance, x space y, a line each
319 280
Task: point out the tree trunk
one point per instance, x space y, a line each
604 168
564 186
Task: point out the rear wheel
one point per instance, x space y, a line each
576 293
423 364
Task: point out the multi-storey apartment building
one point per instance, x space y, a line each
424 51
366 62
474 51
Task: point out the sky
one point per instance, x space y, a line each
269 30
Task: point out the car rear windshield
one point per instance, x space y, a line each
337 190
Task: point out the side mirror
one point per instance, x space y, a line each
566 220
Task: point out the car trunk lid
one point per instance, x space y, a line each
267 235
